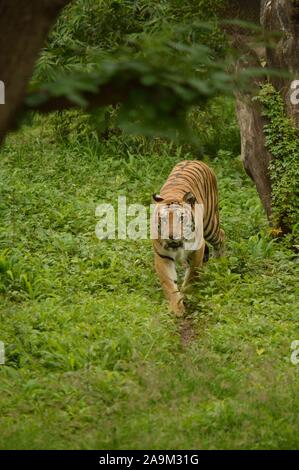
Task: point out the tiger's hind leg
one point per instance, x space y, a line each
206 253
196 261
216 238
218 245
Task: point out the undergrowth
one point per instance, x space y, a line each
93 357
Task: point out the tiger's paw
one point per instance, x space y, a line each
179 308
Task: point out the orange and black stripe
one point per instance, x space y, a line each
196 177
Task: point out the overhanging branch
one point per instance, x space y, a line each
106 95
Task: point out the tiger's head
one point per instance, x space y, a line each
175 221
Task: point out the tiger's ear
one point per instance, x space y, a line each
189 198
157 198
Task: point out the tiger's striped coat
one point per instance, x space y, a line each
190 183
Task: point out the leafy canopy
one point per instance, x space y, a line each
158 58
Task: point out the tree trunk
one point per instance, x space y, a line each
255 156
24 27
275 16
283 16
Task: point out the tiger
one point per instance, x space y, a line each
185 218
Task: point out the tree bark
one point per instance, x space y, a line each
255 156
24 27
283 16
275 16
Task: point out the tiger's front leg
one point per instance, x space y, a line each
195 263
167 274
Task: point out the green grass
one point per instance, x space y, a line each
94 359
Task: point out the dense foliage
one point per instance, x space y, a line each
89 30
159 58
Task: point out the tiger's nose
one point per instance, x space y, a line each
175 244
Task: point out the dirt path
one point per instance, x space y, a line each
187 331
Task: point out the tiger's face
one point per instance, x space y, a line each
175 223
